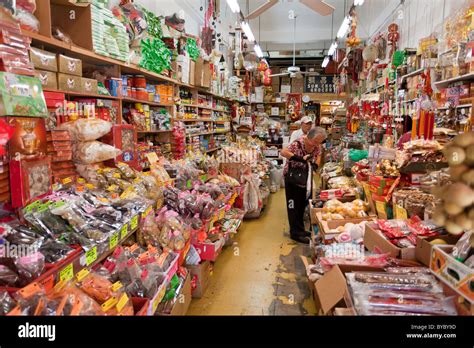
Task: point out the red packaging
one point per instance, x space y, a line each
58 135
29 138
62 165
124 137
29 180
65 157
59 146
11 38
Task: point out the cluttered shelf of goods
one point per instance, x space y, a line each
152 165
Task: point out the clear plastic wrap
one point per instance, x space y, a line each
7 303
463 247
87 129
411 302
94 151
404 282
97 287
30 267
8 277
27 20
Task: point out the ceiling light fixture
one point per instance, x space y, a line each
248 31
325 62
234 5
332 49
344 27
258 51
358 2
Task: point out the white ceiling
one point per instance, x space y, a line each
313 31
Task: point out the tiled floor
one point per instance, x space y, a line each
261 274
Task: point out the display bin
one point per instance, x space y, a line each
453 273
209 251
140 306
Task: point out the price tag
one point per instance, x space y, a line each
90 186
114 240
189 184
107 305
134 222
82 274
123 231
122 302
147 211
66 181
222 214
81 181
112 188
400 212
60 285
67 273
380 207
91 256
152 157
116 286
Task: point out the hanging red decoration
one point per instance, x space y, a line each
267 80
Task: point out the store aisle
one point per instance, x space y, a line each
261 273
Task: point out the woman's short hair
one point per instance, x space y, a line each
317 131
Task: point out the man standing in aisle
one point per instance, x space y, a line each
303 157
306 124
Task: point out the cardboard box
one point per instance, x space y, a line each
285 88
331 290
455 274
43 60
375 240
209 251
69 83
325 227
68 65
48 79
200 274
89 86
297 85
183 300
424 247
192 72
202 74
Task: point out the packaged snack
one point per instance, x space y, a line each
87 129
94 151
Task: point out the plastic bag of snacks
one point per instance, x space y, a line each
87 129
94 151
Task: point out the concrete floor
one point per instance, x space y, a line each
261 274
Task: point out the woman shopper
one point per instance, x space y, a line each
303 157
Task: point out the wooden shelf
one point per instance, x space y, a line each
204 107
456 107
80 94
206 133
201 120
154 132
212 150
133 100
414 73
93 57
445 83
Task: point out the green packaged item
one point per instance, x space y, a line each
357 155
21 96
192 48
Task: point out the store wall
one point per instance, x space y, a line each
416 18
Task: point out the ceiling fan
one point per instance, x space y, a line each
294 71
318 6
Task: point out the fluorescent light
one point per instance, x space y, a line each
358 2
332 49
258 51
234 6
344 27
248 31
325 62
